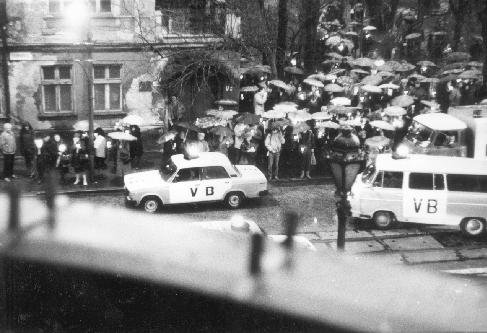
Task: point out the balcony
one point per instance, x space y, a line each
184 21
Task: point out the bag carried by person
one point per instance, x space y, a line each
313 158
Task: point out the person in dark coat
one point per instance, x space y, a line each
28 148
136 147
306 146
47 158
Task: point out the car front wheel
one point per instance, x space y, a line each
473 226
151 204
234 200
383 220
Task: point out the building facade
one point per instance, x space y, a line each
67 58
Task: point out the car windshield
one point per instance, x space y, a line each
368 173
167 171
419 133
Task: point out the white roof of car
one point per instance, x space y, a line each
434 164
204 159
440 121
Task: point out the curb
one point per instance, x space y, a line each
74 192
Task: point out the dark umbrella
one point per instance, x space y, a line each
458 56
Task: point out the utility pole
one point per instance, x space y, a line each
5 56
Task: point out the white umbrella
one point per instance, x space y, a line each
225 114
341 101
122 136
328 124
389 86
371 89
369 28
333 87
274 114
395 111
226 102
315 83
279 84
382 125
321 115
403 101
299 116
83 125
249 89
133 119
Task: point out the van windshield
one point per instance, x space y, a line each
167 171
368 174
419 133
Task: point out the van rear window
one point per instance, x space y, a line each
467 183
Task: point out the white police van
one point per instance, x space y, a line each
208 177
424 189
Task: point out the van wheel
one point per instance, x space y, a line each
151 204
473 226
234 200
383 220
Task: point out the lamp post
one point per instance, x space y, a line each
345 160
78 18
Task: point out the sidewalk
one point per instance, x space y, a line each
110 182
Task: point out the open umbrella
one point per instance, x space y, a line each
384 68
122 136
133 119
378 141
341 101
226 102
225 114
344 80
426 63
413 36
299 116
462 65
314 83
430 80
274 114
300 128
405 67
395 111
285 107
452 71
416 76
333 87
318 76
371 89
249 89
389 86
363 62
475 64
351 33
384 125
431 104
279 84
333 40
385 74
257 70
393 64
83 125
372 80
186 125
483 102
328 124
293 70
369 28
169 136
402 101
335 72
321 115
470 74
458 56
333 55
281 122
340 110
248 118
221 131
359 71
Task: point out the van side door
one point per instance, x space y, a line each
215 182
425 199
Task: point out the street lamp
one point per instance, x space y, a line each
78 19
345 160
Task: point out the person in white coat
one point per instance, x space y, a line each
260 98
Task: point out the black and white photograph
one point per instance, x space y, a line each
243 166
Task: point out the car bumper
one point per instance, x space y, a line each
130 202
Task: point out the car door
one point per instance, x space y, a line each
425 198
186 186
385 194
215 182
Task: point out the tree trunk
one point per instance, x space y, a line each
459 10
346 12
482 15
310 14
281 45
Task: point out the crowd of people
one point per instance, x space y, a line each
67 157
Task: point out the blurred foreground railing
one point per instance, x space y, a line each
81 267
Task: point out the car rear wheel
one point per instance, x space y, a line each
151 204
234 200
473 226
383 220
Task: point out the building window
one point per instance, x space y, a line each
107 87
57 89
95 6
105 6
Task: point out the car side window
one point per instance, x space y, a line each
214 172
392 179
187 175
421 181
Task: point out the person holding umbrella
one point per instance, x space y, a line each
100 145
79 159
136 147
273 143
260 98
306 148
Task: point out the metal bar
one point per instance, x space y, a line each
5 56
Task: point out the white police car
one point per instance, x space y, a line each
208 177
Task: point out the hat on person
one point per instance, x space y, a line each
7 126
